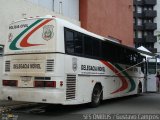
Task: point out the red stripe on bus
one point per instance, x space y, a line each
24 42
124 81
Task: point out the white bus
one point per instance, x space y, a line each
153 67
151 75
50 60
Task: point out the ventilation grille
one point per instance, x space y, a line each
71 87
50 65
7 66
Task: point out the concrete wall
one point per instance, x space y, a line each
69 8
49 4
12 10
108 18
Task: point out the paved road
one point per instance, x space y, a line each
144 104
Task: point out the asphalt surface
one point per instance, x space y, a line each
8 103
144 104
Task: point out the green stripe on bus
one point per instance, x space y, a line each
133 84
13 44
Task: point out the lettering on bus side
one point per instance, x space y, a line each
92 68
26 66
18 26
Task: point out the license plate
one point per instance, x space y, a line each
26 82
26 78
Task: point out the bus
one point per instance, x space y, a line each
50 60
153 67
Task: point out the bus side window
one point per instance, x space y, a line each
143 67
78 43
69 41
88 45
105 51
96 47
1 50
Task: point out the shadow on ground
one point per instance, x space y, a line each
56 110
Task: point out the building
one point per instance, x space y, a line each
109 18
145 24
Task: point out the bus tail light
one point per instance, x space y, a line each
45 84
50 84
10 83
61 83
39 84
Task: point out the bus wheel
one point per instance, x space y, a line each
96 96
139 91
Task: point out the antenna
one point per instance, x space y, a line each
60 7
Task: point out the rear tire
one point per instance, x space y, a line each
96 96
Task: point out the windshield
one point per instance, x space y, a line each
152 67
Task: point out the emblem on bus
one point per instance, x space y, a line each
47 32
74 64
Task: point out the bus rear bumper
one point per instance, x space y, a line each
38 95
